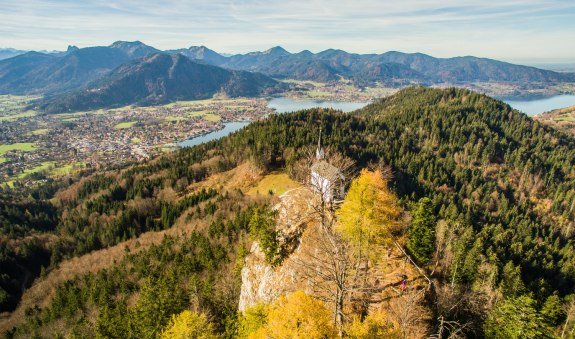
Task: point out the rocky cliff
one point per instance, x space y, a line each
396 278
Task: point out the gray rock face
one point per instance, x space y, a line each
262 283
258 280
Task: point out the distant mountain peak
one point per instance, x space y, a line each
134 49
202 49
160 78
332 51
122 43
277 50
201 53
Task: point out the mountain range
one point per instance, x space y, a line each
390 68
6 53
68 72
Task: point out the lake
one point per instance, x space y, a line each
532 107
281 105
529 107
229 127
285 105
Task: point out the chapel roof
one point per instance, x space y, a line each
326 170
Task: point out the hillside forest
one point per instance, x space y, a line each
475 199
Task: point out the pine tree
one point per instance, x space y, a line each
421 240
516 318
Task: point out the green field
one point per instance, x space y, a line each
23 146
41 131
318 94
212 117
278 183
566 118
40 168
13 107
2 159
124 125
174 119
204 114
67 169
197 113
80 114
17 116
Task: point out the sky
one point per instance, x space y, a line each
511 30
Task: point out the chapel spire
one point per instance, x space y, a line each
319 153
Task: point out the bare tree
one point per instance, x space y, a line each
408 312
332 269
326 269
459 311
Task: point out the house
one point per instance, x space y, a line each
326 179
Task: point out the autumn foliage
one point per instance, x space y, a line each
297 315
369 214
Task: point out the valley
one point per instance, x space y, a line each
33 145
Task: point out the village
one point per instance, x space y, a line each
32 143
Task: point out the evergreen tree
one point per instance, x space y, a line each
517 318
262 228
421 240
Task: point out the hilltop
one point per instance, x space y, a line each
39 73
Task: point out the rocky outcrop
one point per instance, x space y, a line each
298 226
262 283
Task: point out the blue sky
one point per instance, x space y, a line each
514 30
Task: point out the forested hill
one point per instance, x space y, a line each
502 188
158 79
508 180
